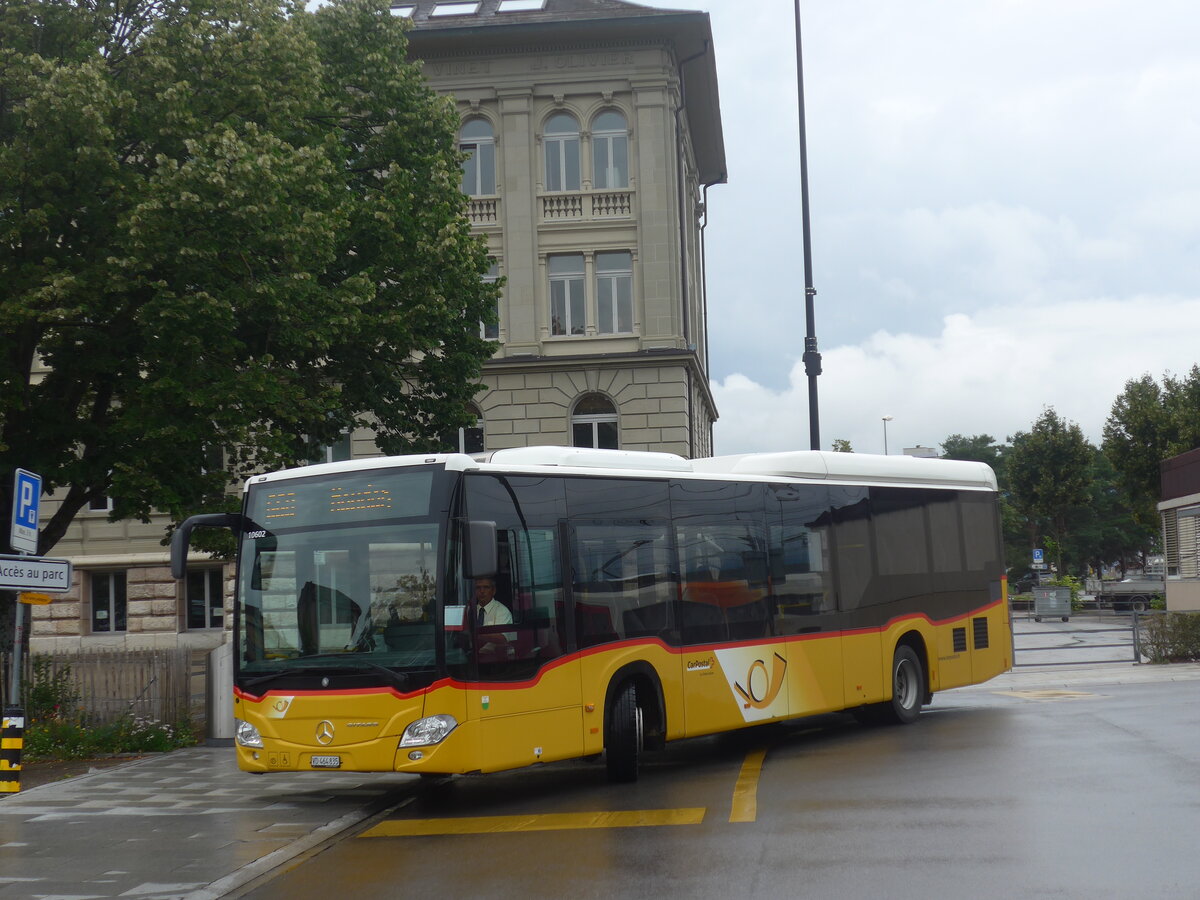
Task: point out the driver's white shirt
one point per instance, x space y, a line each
496 613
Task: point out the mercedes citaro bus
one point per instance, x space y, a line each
646 598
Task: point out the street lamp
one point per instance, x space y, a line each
886 419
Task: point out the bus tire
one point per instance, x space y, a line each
908 687
623 743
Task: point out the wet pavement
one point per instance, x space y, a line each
190 825
184 824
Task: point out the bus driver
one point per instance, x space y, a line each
488 611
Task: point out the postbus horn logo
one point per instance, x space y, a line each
773 683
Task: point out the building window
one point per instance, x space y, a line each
594 423
205 598
562 153
490 331
103 503
479 168
108 602
567 314
468 8
610 151
468 439
614 292
327 453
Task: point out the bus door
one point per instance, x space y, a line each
526 700
623 587
734 667
802 597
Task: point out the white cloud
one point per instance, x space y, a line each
1005 211
991 372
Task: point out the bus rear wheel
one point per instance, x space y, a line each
908 688
623 745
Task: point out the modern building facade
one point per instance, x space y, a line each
592 130
1180 512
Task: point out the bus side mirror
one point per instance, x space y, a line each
481 555
179 540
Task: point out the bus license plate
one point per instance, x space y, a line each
326 762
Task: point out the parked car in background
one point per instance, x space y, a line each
1023 584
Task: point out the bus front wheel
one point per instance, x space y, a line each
623 745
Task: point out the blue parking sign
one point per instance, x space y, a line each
27 498
1039 556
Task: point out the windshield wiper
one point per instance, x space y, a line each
396 679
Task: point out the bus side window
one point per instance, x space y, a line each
623 581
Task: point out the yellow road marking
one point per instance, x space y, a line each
745 792
546 822
1046 695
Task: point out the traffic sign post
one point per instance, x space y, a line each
27 498
23 573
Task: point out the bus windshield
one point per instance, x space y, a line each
339 575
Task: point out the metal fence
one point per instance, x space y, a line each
1088 638
162 685
1105 636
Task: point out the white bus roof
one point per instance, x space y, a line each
807 465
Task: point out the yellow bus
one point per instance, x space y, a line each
452 614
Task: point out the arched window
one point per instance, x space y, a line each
562 153
479 168
610 151
468 439
594 423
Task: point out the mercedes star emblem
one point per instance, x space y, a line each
325 733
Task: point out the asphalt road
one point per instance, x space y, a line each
1000 790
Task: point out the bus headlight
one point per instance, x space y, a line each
430 730
247 735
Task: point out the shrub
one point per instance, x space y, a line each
75 739
1172 637
56 727
49 693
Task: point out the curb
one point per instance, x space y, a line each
264 867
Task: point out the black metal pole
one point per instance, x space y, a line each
812 359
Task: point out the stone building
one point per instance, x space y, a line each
593 131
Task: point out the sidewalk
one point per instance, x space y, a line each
190 825
186 824
1066 676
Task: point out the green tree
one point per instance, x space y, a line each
841 445
1103 529
224 225
1049 473
1148 424
978 448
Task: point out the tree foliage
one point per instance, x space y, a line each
978 448
841 445
1049 473
1103 528
224 224
1148 424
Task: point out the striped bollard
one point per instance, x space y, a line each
12 739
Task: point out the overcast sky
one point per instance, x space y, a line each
1005 203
